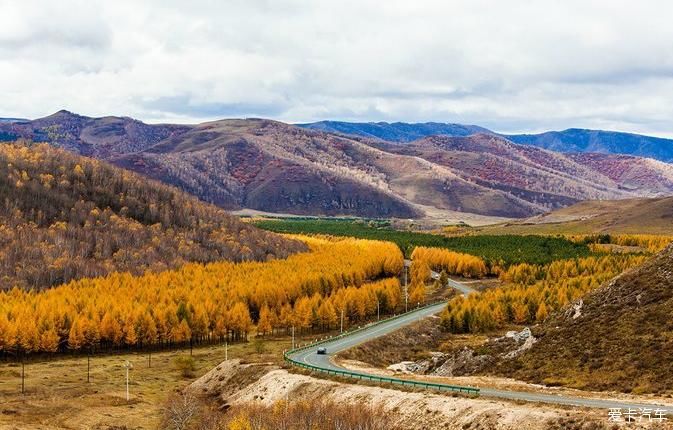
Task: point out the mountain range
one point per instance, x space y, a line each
570 140
282 168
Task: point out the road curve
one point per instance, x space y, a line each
462 288
309 357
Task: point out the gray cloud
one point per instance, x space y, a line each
512 66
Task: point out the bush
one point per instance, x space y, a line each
186 365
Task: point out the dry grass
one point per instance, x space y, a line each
58 396
632 216
622 341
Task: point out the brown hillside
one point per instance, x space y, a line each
633 216
275 167
96 137
64 216
621 338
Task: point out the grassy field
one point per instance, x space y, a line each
58 396
510 249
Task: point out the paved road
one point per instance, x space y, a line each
463 288
310 356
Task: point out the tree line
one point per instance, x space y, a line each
199 303
495 250
649 242
531 292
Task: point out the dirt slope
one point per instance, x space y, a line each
232 383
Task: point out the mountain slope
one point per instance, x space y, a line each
632 216
544 179
274 167
95 137
620 338
396 131
64 216
600 141
270 166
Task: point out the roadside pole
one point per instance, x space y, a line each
406 291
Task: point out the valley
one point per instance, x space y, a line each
356 215
116 252
554 273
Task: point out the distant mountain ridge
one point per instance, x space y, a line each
600 141
95 137
570 140
271 166
397 131
13 120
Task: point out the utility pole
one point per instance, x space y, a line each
127 366
342 320
406 291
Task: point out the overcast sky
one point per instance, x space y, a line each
508 65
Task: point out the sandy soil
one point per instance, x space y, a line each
504 384
268 384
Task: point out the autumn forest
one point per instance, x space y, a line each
97 259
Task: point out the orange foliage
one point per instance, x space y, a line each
202 302
532 292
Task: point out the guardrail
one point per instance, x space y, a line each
374 378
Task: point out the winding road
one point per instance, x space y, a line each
310 357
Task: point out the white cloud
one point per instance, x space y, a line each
512 66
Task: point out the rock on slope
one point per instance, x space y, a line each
621 338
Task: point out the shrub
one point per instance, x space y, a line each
186 365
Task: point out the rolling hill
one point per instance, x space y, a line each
570 140
95 137
629 216
274 167
64 216
619 337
